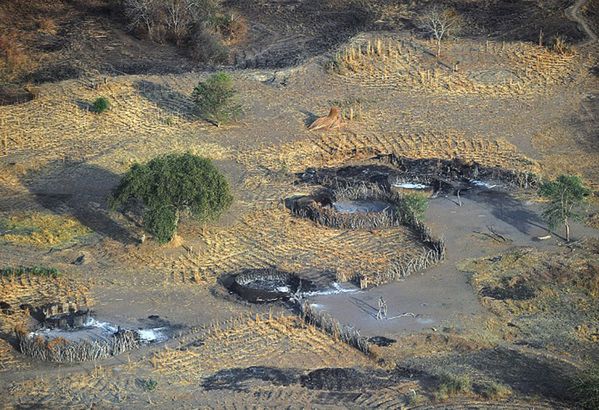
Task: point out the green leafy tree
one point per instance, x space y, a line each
413 205
169 185
565 194
215 99
101 104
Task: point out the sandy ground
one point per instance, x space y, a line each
442 297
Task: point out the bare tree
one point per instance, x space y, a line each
142 13
179 18
173 18
440 22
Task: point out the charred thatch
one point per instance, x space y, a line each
454 171
268 285
62 350
441 174
319 209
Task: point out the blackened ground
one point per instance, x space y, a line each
70 39
520 20
238 378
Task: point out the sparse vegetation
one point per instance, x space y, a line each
560 46
30 270
586 388
416 399
451 385
40 229
528 317
169 185
215 99
413 205
494 391
147 384
566 194
101 104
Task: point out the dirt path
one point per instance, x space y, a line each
574 14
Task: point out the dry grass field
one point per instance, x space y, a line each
486 68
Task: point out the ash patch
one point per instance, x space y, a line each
512 290
382 341
238 379
268 285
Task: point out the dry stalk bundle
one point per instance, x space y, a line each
328 324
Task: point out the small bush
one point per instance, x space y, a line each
101 104
412 205
451 385
215 99
169 185
415 399
494 391
586 388
30 270
232 27
335 66
147 384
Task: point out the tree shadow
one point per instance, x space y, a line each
527 374
85 105
309 117
167 99
509 209
364 306
238 379
81 190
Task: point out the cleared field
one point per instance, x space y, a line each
246 342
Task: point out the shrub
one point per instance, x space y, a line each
147 384
586 388
208 48
169 185
30 270
231 26
451 385
101 104
215 99
412 205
